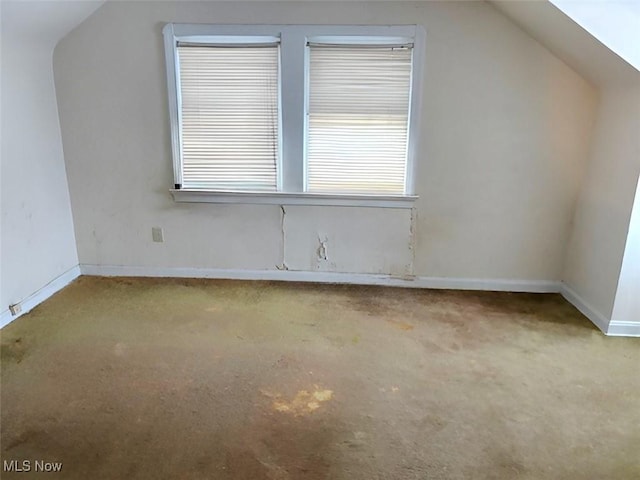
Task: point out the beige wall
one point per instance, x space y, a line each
37 238
505 129
601 224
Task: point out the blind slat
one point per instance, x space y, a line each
357 119
229 117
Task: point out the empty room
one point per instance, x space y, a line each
283 240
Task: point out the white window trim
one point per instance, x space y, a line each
293 94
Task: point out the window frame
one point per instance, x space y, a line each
293 98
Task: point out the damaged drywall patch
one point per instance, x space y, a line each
348 239
283 264
409 267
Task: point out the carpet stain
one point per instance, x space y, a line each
303 403
13 350
400 325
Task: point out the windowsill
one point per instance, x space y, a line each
279 198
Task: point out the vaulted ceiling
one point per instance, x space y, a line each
43 21
570 42
49 21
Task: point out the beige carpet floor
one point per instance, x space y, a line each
192 379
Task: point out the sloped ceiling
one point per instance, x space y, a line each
570 42
50 20
616 23
43 21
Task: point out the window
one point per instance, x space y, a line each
294 114
358 116
229 116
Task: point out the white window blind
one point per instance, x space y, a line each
358 118
229 116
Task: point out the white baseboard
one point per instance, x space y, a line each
534 286
488 284
613 328
597 318
619 328
41 294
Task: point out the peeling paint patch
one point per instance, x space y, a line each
322 254
322 249
303 403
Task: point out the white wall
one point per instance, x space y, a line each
601 224
504 141
627 303
37 236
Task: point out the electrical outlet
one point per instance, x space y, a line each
15 309
157 234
